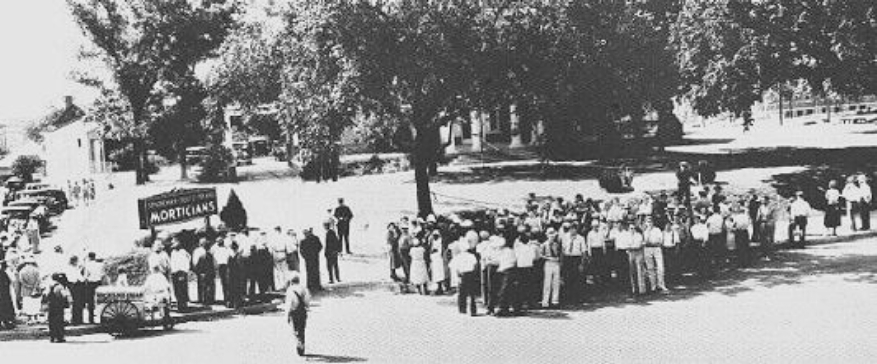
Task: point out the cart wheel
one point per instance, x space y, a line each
120 318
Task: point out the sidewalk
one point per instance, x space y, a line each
41 331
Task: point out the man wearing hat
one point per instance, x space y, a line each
630 241
574 251
343 215
310 252
58 299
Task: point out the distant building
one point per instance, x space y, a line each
73 148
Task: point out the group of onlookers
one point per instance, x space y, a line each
25 286
556 250
81 192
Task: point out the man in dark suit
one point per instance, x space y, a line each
343 215
333 249
310 251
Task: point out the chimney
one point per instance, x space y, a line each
68 102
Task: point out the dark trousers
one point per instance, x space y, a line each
621 266
768 231
598 267
77 293
468 290
570 273
206 288
506 297
490 287
717 248
56 324
332 266
313 272
799 222
344 235
672 263
90 289
222 270
299 322
526 287
865 213
181 289
744 253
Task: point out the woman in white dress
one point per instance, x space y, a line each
437 264
419 272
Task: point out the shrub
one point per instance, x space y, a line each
233 215
135 264
25 166
214 166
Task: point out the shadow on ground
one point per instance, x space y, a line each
847 159
320 358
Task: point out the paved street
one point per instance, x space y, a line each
806 306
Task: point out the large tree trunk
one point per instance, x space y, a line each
184 165
141 177
424 156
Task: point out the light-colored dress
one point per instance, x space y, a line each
419 273
437 264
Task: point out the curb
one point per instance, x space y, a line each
42 332
824 240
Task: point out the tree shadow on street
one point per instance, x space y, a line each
854 158
789 267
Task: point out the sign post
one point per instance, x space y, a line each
176 206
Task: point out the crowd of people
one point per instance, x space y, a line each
558 251
25 285
81 192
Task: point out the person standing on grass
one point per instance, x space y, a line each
297 304
343 215
76 279
832 208
333 249
393 234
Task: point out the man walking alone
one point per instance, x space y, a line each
343 215
297 302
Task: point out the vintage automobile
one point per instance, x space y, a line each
54 199
36 210
125 310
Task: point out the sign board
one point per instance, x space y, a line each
177 206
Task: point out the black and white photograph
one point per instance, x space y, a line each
500 181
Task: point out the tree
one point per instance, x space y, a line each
147 44
731 53
233 215
25 166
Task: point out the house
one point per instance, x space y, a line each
73 148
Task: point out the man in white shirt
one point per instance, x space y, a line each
654 256
799 210
94 276
526 258
507 272
852 194
465 266
596 242
717 242
574 251
221 256
297 304
631 241
699 247
277 246
181 264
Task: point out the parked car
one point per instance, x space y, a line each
242 154
54 198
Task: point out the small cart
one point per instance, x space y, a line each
125 310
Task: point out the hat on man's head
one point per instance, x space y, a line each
294 278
